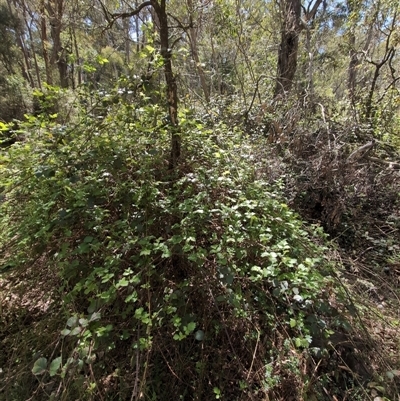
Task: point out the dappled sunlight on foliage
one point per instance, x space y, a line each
199 200
190 269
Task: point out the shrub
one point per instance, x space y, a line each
198 282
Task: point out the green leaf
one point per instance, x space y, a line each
72 321
54 366
122 283
293 323
149 48
132 297
256 269
40 366
166 253
3 127
102 60
76 331
89 68
217 393
95 316
190 327
65 332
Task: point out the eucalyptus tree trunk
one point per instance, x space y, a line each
352 69
172 91
55 9
161 17
27 16
26 65
291 27
288 49
77 58
127 40
45 42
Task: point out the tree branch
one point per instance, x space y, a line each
133 12
112 17
365 149
180 24
310 14
390 164
175 42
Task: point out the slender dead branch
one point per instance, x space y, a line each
112 17
361 151
390 164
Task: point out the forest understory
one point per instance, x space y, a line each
199 200
63 324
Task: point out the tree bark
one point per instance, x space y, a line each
45 43
55 9
292 25
161 17
352 71
287 56
172 92
32 45
127 40
25 66
77 57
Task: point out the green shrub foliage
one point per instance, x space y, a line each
174 282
